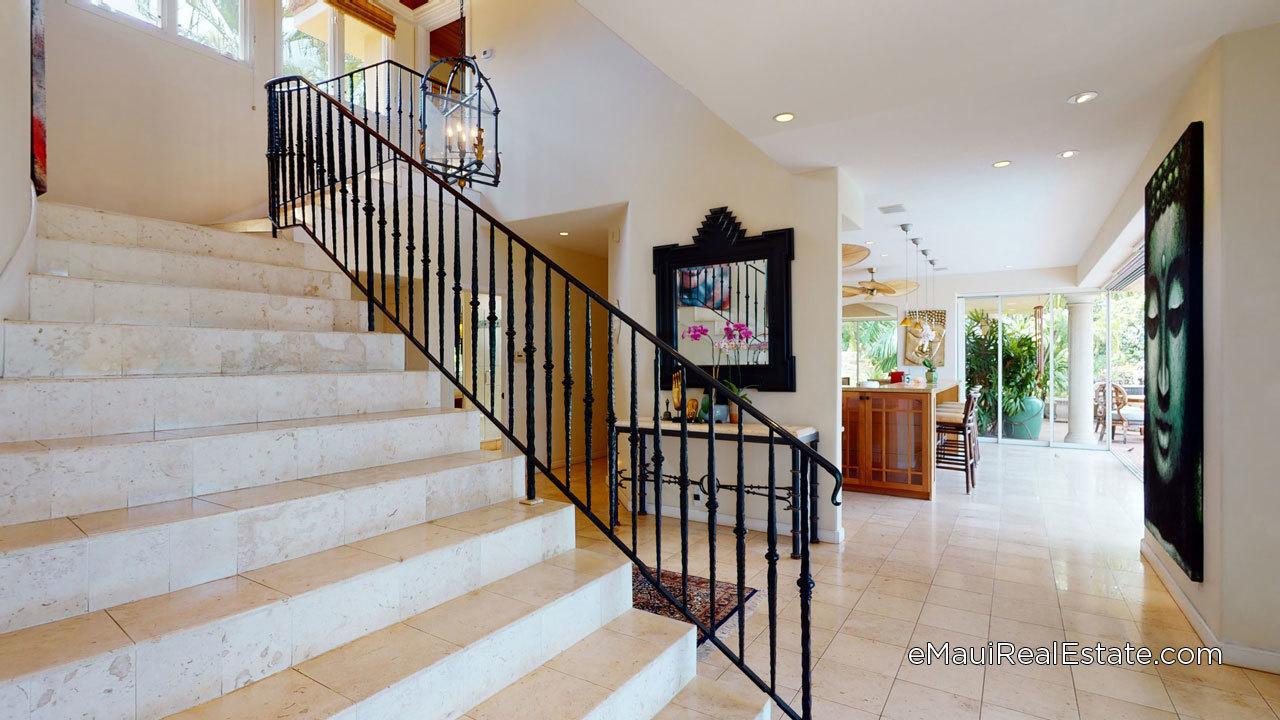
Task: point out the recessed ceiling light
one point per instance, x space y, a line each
1082 98
784 117
564 234
1002 163
1065 154
884 254
1008 266
871 242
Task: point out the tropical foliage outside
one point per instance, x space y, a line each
868 349
1023 376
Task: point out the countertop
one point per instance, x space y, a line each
933 389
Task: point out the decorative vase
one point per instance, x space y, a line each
733 412
931 377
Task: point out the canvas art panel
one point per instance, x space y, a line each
921 344
39 153
1173 470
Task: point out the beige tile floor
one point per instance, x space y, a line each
1046 548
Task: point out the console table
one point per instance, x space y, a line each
752 433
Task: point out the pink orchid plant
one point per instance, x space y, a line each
736 339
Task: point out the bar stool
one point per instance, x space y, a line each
957 408
957 446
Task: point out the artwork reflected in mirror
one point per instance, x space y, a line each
928 340
1173 468
724 302
725 295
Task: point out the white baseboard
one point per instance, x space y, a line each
1232 653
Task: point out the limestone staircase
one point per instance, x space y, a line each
220 498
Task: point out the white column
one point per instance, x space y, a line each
1080 394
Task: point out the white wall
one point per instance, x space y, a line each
145 125
1236 96
1249 332
587 122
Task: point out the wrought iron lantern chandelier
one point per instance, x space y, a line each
458 130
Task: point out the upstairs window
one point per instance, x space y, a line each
214 24
148 11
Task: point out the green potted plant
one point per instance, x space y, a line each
1023 381
930 371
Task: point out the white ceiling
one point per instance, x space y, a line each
916 100
588 229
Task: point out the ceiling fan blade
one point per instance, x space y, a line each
851 255
901 287
876 286
853 291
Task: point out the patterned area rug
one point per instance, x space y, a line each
645 597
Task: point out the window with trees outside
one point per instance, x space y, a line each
868 349
215 24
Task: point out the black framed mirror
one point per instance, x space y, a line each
725 283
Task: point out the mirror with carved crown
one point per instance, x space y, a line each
725 301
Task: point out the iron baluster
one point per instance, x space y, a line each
333 181
635 450
368 231
568 390
805 583
548 363
457 294
382 226
395 233
771 557
588 399
657 462
475 302
408 204
713 495
308 164
493 320
611 423
529 351
740 529
684 489
511 339
440 271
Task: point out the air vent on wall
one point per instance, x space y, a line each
891 209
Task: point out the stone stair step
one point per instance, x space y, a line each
75 476
62 567
473 645
46 349
66 299
46 408
628 670
703 699
95 261
70 222
153 657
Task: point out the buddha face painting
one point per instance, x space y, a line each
1167 340
1173 483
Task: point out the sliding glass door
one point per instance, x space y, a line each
1060 369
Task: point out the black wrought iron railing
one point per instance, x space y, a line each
456 281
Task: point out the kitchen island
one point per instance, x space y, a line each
889 436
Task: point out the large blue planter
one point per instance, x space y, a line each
1025 425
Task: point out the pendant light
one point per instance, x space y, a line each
906 270
458 129
915 322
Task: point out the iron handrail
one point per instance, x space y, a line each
301 151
